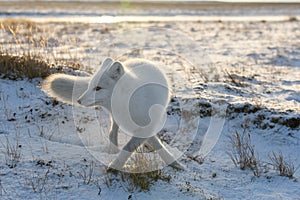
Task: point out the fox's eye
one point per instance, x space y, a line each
97 88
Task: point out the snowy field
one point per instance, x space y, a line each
51 150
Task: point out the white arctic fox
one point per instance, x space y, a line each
134 92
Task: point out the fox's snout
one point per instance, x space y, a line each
86 100
83 102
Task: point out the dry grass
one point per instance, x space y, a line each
12 152
26 52
29 65
293 19
38 182
243 152
25 65
87 173
284 167
142 181
142 172
14 25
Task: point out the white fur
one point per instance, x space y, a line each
98 89
61 87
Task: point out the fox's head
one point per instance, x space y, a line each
102 84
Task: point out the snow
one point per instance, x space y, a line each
249 72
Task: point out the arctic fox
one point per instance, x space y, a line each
136 94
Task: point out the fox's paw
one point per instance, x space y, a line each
177 165
115 166
109 169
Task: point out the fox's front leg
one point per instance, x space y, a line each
126 152
167 157
113 138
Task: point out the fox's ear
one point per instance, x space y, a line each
116 70
107 62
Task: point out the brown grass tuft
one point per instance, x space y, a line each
142 181
14 25
139 176
145 171
26 52
21 66
284 167
243 152
293 19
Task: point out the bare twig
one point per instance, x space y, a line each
284 167
243 152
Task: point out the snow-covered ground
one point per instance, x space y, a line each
252 68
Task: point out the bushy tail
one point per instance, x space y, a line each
65 88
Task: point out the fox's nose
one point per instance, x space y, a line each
79 101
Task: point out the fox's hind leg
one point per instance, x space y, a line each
167 157
113 138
